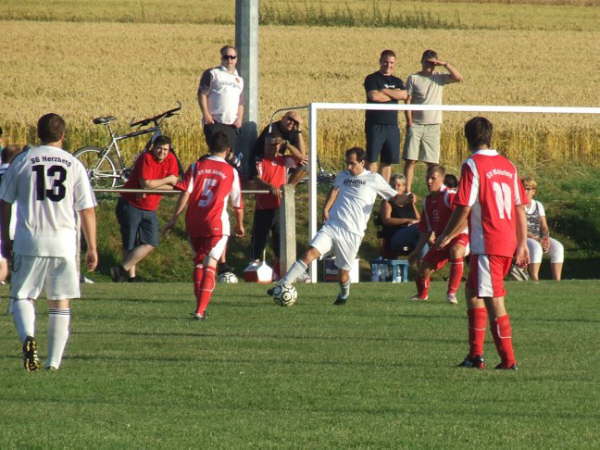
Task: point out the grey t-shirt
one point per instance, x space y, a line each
425 90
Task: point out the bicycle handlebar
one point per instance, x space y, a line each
169 113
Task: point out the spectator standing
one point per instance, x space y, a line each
437 209
51 187
273 172
136 213
490 196
381 127
220 97
538 236
423 127
207 186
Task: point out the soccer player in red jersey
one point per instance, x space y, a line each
437 209
207 186
492 198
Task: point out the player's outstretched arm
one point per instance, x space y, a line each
88 226
182 202
456 223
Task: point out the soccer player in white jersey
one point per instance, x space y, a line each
491 196
50 186
345 215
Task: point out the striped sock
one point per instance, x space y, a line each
58 335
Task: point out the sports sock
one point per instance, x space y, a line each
456 273
423 286
197 279
477 327
502 332
58 335
206 289
297 269
24 317
345 289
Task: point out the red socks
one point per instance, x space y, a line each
423 287
502 332
456 273
477 327
204 285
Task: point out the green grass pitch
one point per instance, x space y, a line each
378 372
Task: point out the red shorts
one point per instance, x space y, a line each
439 258
486 275
212 246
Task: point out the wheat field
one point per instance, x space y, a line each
133 70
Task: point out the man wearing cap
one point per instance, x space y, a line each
220 97
423 127
289 128
381 127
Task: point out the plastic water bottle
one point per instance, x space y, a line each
374 271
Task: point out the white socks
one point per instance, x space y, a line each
345 290
297 269
58 334
24 317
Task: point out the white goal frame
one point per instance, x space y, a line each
313 109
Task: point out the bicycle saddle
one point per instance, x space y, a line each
103 120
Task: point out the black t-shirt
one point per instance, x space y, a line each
399 212
375 82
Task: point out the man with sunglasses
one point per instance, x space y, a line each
289 128
220 97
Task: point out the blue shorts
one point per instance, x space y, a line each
138 226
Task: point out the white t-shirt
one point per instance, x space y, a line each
354 202
50 186
425 90
224 90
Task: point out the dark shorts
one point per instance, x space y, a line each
138 226
383 140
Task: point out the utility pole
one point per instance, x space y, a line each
246 42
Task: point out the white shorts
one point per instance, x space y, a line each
345 245
58 275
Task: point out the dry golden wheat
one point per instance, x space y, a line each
83 70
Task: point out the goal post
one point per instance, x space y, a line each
314 108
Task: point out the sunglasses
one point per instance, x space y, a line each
292 120
229 57
530 189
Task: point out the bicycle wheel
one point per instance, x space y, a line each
103 173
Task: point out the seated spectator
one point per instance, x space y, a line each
400 223
273 172
289 128
538 236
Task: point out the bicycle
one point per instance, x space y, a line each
105 166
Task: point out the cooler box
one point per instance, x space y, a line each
258 273
330 271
